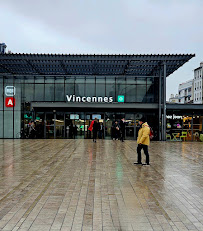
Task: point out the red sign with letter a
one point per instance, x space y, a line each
10 102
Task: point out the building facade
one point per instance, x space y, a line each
198 76
174 99
59 95
2 48
185 92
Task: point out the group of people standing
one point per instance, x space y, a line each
96 128
118 131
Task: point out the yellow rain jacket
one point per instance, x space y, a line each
143 134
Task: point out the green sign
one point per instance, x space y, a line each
27 117
121 98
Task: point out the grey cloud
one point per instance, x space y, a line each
125 26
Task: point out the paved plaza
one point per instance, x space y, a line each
81 185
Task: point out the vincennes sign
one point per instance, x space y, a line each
88 99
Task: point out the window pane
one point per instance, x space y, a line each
1 124
100 90
49 92
90 86
1 92
28 92
69 86
69 89
49 80
59 92
141 93
39 92
141 80
120 86
110 87
8 124
130 93
131 80
79 86
110 90
29 79
39 79
17 123
100 80
150 93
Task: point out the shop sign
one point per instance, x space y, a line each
27 117
173 117
10 90
88 99
10 102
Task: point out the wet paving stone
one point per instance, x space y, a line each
81 185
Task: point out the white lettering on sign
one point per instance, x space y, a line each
10 102
173 117
88 99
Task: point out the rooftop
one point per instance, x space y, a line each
81 64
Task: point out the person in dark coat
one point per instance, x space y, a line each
95 129
122 129
101 130
116 130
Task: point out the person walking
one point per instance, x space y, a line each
143 141
122 129
116 130
94 126
101 130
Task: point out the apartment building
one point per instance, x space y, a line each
198 73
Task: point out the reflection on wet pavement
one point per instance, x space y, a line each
81 185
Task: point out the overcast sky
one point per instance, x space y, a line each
106 27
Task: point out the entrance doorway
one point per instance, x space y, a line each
54 125
74 125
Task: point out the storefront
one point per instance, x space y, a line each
184 122
59 95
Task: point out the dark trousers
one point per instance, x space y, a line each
94 135
122 135
139 157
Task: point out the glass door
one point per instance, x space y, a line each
130 131
74 125
59 125
49 125
39 122
88 121
109 118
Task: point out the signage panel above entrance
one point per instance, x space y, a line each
88 99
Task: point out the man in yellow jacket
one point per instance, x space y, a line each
143 141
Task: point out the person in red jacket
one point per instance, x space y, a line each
94 126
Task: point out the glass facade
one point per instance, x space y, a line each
45 89
183 126
15 121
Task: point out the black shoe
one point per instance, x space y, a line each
138 163
145 164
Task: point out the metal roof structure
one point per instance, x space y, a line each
61 64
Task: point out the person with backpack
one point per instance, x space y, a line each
143 141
